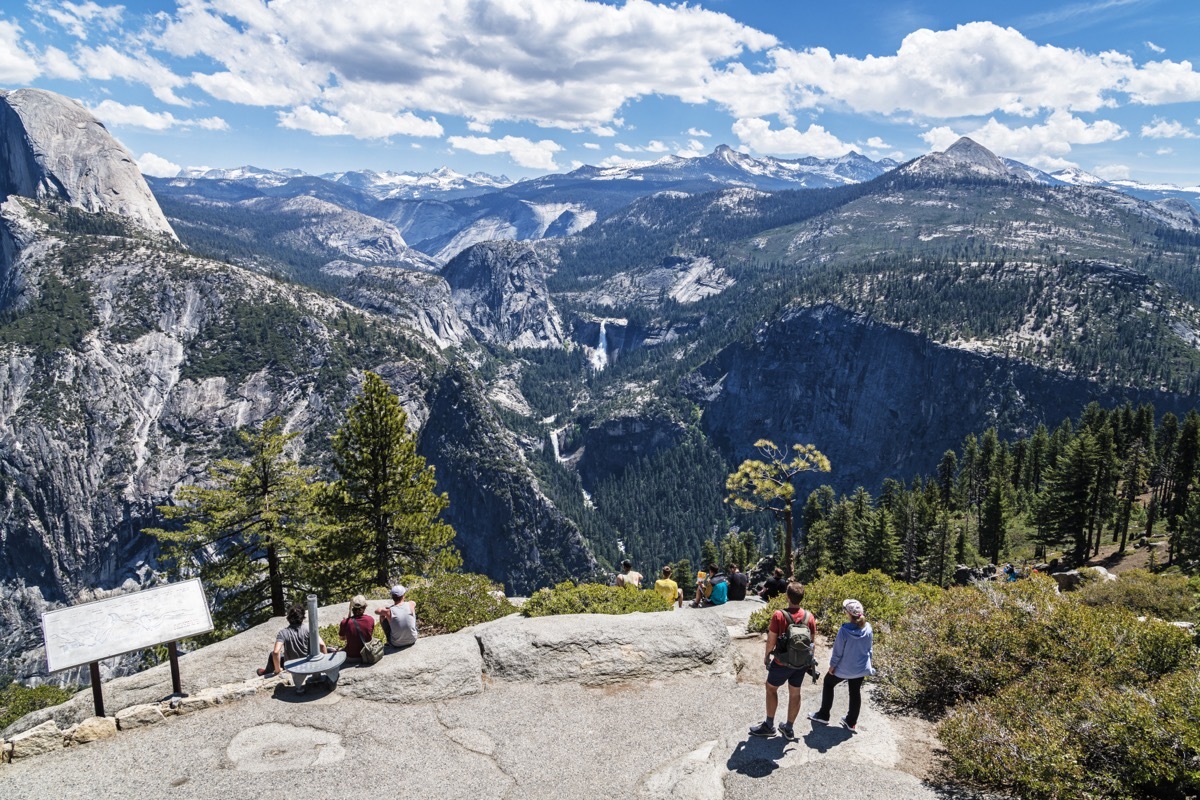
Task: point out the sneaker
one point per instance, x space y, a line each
820 720
261 672
786 730
848 726
763 729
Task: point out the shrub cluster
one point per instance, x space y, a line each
16 700
1168 597
1048 696
884 599
592 598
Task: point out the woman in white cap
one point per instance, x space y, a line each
399 620
849 662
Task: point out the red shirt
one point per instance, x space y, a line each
779 624
350 630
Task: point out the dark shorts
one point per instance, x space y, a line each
777 675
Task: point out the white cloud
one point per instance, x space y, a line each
816 141
478 127
117 114
876 143
1165 151
1111 172
1043 145
698 132
604 130
106 63
694 149
1155 48
1160 128
527 153
17 65
557 63
619 161
624 148
359 122
76 18
159 167
58 64
655 146
591 146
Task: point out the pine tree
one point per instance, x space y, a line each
385 499
251 534
1066 502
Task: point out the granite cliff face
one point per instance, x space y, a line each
499 288
53 148
880 401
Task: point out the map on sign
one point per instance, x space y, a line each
92 631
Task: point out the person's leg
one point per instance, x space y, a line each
772 701
794 699
855 686
827 696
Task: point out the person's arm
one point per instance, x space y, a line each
321 645
772 640
839 647
276 655
344 629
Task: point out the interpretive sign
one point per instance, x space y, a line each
101 629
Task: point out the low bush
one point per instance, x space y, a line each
1169 597
17 700
885 600
592 598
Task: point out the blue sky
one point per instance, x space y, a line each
526 87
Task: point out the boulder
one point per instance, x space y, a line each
436 668
42 739
139 716
1103 574
599 649
92 729
1067 581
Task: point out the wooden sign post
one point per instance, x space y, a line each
90 632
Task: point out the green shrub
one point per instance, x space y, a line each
885 601
16 700
1169 597
456 600
592 598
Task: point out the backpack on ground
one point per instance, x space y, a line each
795 646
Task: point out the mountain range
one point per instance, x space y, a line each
583 357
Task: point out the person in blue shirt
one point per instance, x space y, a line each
849 662
713 590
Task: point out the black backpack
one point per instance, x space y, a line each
794 648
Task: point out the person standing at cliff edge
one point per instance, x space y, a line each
399 620
849 662
776 659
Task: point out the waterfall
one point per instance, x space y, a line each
599 356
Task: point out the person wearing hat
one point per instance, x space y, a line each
399 620
849 662
357 628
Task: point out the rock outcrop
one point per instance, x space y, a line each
53 148
499 288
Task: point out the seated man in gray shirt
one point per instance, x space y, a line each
399 620
291 643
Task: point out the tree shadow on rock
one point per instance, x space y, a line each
757 757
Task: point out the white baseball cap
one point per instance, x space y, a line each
853 607
398 591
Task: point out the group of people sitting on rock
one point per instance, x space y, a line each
713 587
398 622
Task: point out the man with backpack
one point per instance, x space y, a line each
788 659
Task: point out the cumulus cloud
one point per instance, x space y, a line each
557 63
758 135
117 114
693 149
17 65
76 18
591 146
1164 151
106 63
1111 172
655 146
57 64
698 132
527 153
479 127
1160 128
1043 145
159 167
359 122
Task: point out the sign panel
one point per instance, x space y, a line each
104 628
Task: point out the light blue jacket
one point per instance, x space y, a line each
851 656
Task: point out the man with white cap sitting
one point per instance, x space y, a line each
399 620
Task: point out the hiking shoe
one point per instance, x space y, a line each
763 729
786 730
848 726
261 672
819 720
